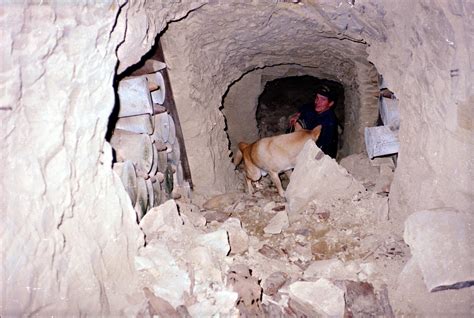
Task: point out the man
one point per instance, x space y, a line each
319 113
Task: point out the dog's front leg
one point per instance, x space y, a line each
249 185
277 182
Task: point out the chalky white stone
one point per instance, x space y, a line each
321 298
441 242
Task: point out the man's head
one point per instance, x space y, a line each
324 99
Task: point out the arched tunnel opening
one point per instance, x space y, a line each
282 97
121 130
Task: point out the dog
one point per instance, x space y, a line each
272 155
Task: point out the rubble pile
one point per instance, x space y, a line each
255 256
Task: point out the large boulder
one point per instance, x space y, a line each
441 243
318 177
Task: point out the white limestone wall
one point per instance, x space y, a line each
68 232
239 108
426 61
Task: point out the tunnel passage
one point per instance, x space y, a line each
282 97
247 102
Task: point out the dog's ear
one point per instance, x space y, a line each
316 132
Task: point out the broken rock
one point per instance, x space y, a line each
217 241
157 260
217 216
441 243
330 269
219 202
242 281
278 223
361 300
318 177
320 298
191 213
274 282
238 238
164 218
359 166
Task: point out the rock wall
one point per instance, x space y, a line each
69 232
425 61
240 106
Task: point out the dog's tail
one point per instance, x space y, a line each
238 155
316 132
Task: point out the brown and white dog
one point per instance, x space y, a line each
272 155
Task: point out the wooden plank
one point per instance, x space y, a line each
171 106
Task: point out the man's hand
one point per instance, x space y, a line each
294 119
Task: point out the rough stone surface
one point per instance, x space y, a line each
320 298
318 177
238 238
273 282
411 296
430 72
59 193
278 223
330 269
250 293
441 242
359 166
158 259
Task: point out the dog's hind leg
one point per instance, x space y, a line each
239 153
276 180
237 158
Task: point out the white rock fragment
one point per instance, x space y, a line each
278 223
330 269
206 268
320 298
219 202
157 260
191 214
164 218
221 303
269 206
318 177
441 243
217 241
238 238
